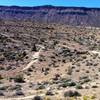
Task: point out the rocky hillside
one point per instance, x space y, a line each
51 14
53 61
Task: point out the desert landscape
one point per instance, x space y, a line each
49 60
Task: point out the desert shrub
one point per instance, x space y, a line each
69 71
85 98
87 71
41 87
2 58
84 57
37 98
78 86
1 93
94 86
70 83
56 77
0 82
89 97
93 97
71 93
49 93
98 69
19 93
34 48
8 68
46 73
2 68
3 87
19 79
9 55
20 55
77 70
47 98
1 77
84 79
16 87
30 69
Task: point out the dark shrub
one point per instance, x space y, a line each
19 93
71 93
37 98
78 86
1 93
19 79
49 93
70 83
34 48
1 77
3 87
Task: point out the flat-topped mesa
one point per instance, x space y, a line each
76 16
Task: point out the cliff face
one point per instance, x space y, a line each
50 14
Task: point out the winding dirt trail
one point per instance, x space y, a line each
35 58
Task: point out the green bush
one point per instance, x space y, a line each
78 86
19 79
70 83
